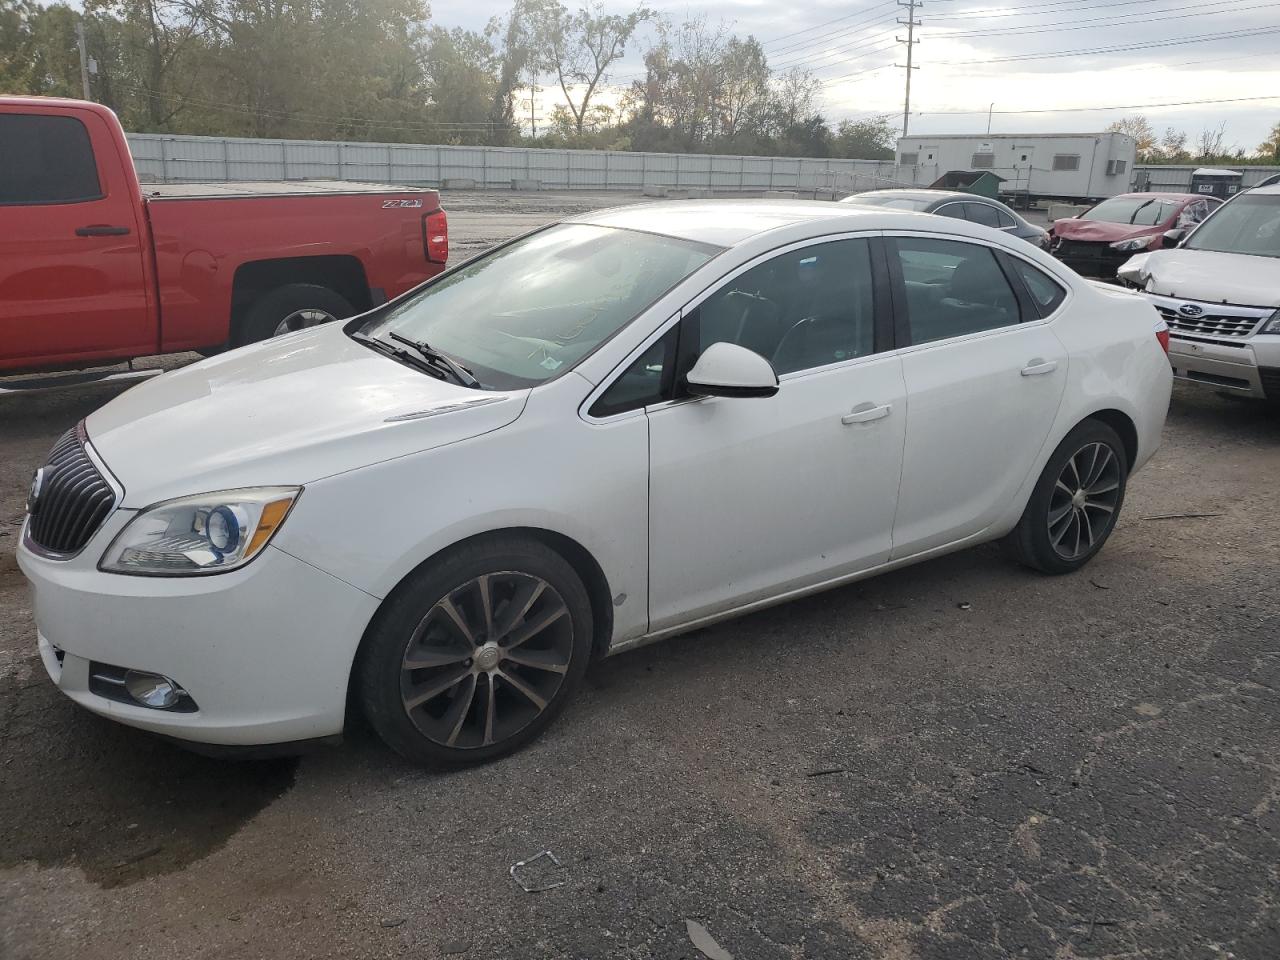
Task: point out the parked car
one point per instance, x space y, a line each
1100 240
958 206
95 268
1219 292
609 431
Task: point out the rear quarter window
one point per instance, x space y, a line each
1046 293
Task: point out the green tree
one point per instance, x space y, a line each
1269 149
872 139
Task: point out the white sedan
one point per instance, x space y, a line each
606 432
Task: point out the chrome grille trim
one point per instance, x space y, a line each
75 500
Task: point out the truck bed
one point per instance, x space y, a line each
273 188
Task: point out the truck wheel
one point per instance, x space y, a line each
291 307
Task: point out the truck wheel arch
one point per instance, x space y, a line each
343 274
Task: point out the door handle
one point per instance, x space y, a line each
101 230
866 413
1038 367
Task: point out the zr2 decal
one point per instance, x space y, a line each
391 204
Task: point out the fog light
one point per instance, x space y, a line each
151 689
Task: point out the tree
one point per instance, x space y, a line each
1173 146
1269 149
1210 142
873 139
1139 128
581 47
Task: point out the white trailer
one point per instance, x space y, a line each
1071 167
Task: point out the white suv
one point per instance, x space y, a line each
1219 291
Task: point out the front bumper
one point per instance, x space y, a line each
1217 347
264 651
1091 259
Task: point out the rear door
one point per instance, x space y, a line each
72 280
984 376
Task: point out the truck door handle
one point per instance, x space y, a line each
866 413
1038 367
101 230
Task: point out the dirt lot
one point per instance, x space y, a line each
958 760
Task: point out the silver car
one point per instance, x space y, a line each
960 206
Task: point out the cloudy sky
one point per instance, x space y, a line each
1039 55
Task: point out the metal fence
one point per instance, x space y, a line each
177 159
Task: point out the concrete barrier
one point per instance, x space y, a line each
780 195
526 184
458 183
1065 211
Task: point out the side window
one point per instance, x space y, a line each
983 214
802 309
646 381
1046 292
45 159
953 210
1006 222
953 288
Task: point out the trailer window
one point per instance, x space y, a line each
910 159
1066 161
983 161
46 159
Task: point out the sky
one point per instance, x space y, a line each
1038 55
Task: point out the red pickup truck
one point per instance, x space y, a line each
96 268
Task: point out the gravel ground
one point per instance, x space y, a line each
962 759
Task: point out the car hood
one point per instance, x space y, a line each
1213 277
287 411
1100 232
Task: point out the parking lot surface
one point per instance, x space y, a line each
958 760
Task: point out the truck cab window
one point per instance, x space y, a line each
46 159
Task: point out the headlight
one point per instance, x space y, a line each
207 533
1128 246
1273 323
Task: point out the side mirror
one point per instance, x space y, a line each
1174 237
728 370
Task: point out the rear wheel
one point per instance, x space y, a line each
294 306
476 652
1076 501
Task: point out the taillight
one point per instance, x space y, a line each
1162 334
435 236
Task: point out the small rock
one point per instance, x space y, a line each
393 921
454 947
965 606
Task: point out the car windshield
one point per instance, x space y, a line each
1140 211
530 310
893 202
1250 224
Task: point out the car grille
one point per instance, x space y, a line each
74 498
1080 250
1211 324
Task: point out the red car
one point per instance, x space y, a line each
1103 238
96 268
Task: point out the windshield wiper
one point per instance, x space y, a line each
438 360
1142 206
399 353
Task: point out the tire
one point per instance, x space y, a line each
296 305
1051 536
437 713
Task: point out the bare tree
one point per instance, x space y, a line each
580 48
1144 135
1210 142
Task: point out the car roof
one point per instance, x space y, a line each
1270 190
920 194
728 223
1162 195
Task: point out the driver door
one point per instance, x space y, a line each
752 498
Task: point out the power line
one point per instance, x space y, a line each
1034 10
847 30
825 23
1096 23
882 41
1122 106
1202 38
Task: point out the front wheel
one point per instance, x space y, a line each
1076 501
476 652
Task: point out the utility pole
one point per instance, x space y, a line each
910 23
84 58
990 110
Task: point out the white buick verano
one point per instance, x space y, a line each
603 433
